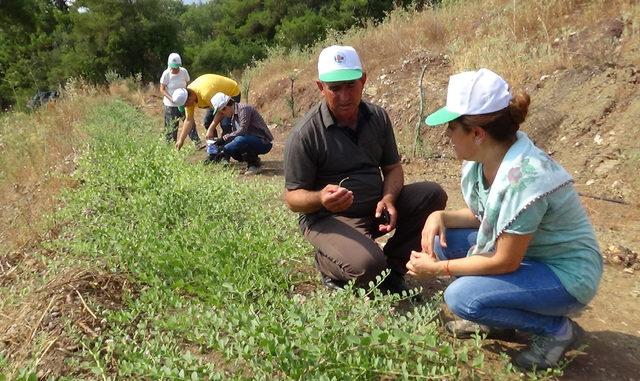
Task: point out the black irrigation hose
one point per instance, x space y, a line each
603 198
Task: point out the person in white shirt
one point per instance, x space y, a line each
173 78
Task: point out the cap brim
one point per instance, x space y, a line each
440 117
174 66
341 75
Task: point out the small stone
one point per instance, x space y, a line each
598 139
590 182
606 167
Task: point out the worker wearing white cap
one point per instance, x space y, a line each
199 94
175 77
333 161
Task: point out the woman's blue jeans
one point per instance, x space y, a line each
530 299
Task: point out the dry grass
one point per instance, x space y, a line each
35 333
38 155
39 152
519 39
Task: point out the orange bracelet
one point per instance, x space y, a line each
446 268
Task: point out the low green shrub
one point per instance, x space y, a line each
217 260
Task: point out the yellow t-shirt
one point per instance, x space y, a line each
206 86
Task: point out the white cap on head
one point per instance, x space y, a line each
218 101
339 63
179 96
472 93
174 61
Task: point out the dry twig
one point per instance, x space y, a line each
35 329
85 304
86 329
417 139
45 351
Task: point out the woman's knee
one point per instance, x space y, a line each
462 298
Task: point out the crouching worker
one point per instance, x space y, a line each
248 138
343 175
523 250
199 94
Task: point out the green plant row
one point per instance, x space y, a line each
218 262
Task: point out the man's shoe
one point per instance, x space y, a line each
464 329
333 284
545 351
253 170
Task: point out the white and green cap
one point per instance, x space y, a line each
472 93
218 101
174 61
339 63
179 96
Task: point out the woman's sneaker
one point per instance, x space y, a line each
464 329
545 351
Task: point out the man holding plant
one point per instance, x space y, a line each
343 175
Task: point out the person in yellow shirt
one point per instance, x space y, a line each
199 93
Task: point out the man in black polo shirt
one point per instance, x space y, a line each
343 175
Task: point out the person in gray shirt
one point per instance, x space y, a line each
249 135
343 175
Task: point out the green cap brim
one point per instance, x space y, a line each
440 117
341 75
174 66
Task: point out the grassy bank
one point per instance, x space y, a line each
166 270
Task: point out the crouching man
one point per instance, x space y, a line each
343 175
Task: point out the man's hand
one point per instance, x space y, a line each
422 265
383 208
179 144
336 198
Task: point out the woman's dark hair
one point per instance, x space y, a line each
502 125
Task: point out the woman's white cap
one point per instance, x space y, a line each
472 93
